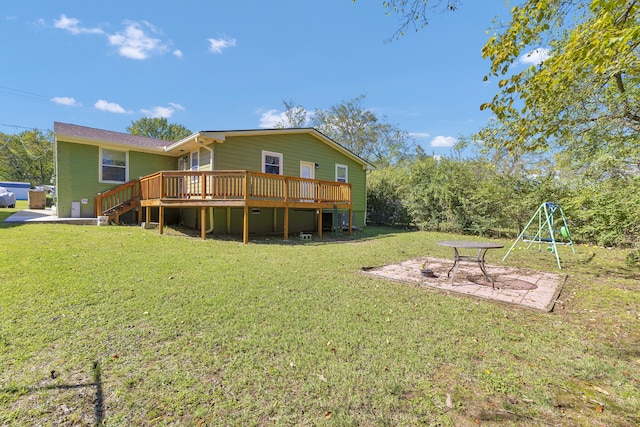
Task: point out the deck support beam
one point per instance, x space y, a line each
161 219
320 223
275 219
228 220
203 222
245 225
350 221
286 223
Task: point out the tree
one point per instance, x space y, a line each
362 132
27 157
295 116
158 128
415 13
584 96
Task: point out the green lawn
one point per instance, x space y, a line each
122 326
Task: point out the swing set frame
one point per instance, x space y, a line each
546 233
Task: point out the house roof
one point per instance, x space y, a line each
75 133
82 134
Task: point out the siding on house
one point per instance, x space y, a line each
78 169
245 152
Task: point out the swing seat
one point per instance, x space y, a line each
533 239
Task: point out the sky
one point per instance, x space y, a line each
228 65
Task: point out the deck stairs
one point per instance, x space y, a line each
117 201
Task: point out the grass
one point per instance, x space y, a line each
122 326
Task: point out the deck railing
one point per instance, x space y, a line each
241 186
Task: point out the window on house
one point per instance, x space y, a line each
272 162
195 160
342 173
205 160
113 165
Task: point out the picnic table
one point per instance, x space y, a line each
482 248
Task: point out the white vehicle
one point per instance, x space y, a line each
7 198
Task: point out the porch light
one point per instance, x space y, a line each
317 166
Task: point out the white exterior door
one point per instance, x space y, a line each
308 171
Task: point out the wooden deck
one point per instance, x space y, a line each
239 189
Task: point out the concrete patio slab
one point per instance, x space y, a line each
522 287
35 216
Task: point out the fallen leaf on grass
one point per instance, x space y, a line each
327 415
599 409
449 401
601 390
322 378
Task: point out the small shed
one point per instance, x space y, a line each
21 189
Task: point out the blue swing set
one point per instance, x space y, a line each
546 232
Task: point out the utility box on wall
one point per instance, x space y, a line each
75 209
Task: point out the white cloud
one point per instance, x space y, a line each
163 112
419 135
216 45
65 100
275 119
269 119
177 53
443 141
110 107
135 43
535 57
72 25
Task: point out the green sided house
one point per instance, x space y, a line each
221 182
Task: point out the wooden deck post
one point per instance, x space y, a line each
148 213
203 222
245 219
320 223
245 225
275 219
228 220
161 219
286 223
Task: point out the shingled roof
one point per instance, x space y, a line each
64 129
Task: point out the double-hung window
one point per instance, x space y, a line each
113 165
342 173
272 162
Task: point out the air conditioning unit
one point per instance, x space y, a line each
341 221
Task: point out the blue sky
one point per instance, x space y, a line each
228 65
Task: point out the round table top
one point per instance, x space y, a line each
466 244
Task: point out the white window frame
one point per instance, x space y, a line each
272 154
101 166
194 155
346 173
